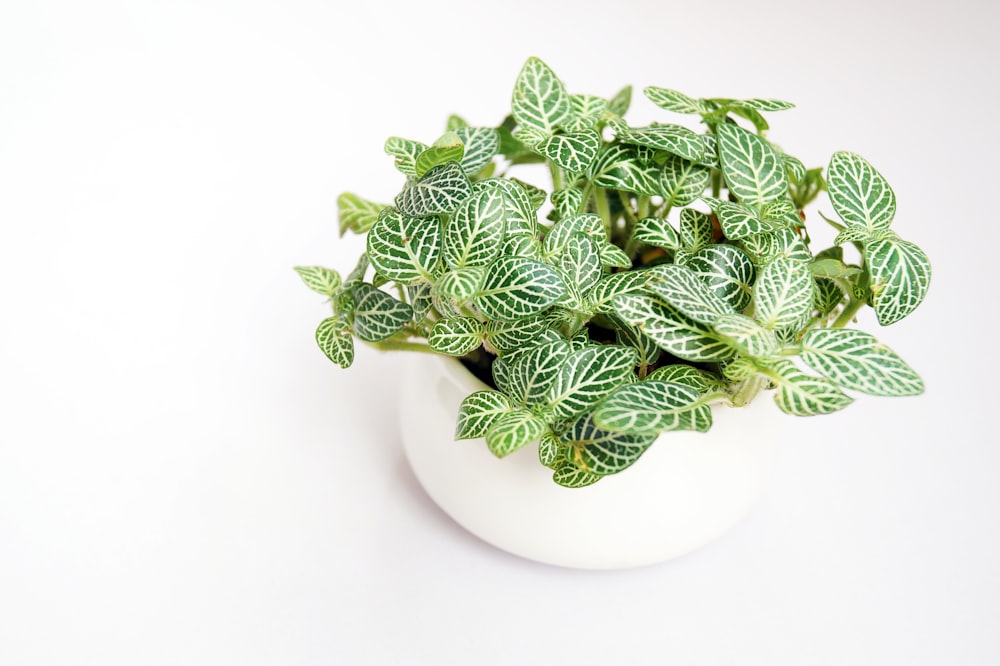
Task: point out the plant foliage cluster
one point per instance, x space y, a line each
671 271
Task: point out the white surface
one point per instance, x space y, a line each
184 478
690 489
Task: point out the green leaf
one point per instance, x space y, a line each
519 245
377 315
567 201
455 123
403 248
536 195
460 285
512 431
695 230
441 190
587 110
557 239
356 214
580 265
794 167
859 193
900 277
620 103
321 280
477 229
619 283
783 294
550 451
529 374
568 475
671 100
449 148
764 248
829 296
613 256
737 221
690 295
653 406
672 331
687 375
656 231
481 146
727 271
588 375
456 336
509 336
800 394
405 151
574 152
752 168
647 350
857 361
618 167
521 217
479 411
832 268
420 300
747 336
674 139
516 288
334 337
681 181
540 100
602 451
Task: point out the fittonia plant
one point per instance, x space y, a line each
672 271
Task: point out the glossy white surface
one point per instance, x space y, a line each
686 490
185 480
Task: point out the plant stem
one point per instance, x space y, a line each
557 179
603 209
848 314
748 389
643 206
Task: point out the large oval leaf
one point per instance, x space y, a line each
516 288
588 375
540 101
476 232
752 168
403 248
653 406
856 360
859 193
441 190
900 277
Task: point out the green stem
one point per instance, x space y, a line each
557 179
716 183
603 209
587 189
748 389
643 206
848 314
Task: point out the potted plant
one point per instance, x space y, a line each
664 272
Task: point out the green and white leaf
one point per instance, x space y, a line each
701 381
536 195
674 139
513 431
602 451
568 475
671 100
860 194
647 350
557 239
832 268
752 168
658 232
857 361
681 181
440 190
794 167
619 283
567 201
727 271
653 406
737 221
613 256
588 375
767 104
334 338
456 336
801 394
462 285
695 230
403 248
323 281
481 145
520 245
829 296
420 300
618 167
516 288
587 111
405 151
574 152
747 336
689 294
672 331
783 243
550 451
521 218
479 411
540 100
580 265
356 214
783 294
900 277
508 336
528 375
476 232
449 148
620 103
377 315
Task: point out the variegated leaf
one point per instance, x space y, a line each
859 193
568 475
800 394
856 360
512 431
619 283
321 280
455 123
727 271
674 139
574 152
475 234
540 100
752 167
647 350
900 277
536 195
695 230
605 452
620 103
671 100
460 286
690 295
653 406
521 218
832 268
558 237
737 221
334 337
587 111
783 294
613 256
580 263
405 151
672 331
656 231
481 146
420 300
529 374
456 336
567 201
767 104
377 315
617 167
783 243
682 181
356 214
550 451
520 245
829 296
588 375
479 411
794 167
516 288
449 148
440 190
701 381
509 336
403 248
747 336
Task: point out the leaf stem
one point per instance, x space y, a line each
557 179
848 313
603 209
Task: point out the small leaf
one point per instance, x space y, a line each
516 288
752 168
653 406
656 231
456 336
574 152
356 214
832 268
727 271
529 374
671 100
455 123
403 248
859 193
684 290
479 411
521 217
602 451
619 283
618 167
550 452
449 148
857 361
377 315
672 331
747 336
783 243
613 256
334 338
540 100
682 181
767 104
567 201
699 380
900 277
441 190
587 110
557 239
513 431
695 230
568 475
477 229
462 285
420 300
481 146
620 103
800 394
405 151
509 336
321 280
737 221
588 375
783 294
580 264
674 139
829 296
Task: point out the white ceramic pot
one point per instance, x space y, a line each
686 490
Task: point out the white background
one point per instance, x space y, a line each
184 479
